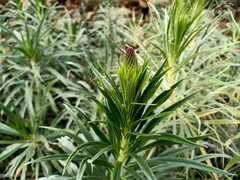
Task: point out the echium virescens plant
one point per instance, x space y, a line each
127 132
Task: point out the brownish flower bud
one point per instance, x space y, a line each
129 54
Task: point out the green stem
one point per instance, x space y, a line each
171 79
123 153
122 157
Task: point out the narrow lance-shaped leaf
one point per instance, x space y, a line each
160 99
188 163
10 150
99 133
178 104
84 146
232 162
162 139
148 127
144 167
133 173
153 84
81 170
4 129
167 137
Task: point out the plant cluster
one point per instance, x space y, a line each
73 107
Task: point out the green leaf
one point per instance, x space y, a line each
10 150
51 158
144 167
164 96
162 139
112 124
134 174
176 151
93 144
102 151
4 129
57 177
155 116
13 116
232 162
92 124
29 100
114 87
188 163
160 99
110 115
99 133
81 170
210 156
178 104
84 130
167 137
141 80
77 158
113 108
153 84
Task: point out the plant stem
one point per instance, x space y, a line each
123 153
171 79
122 156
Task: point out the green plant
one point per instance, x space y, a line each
32 89
123 138
22 141
34 59
208 59
180 30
